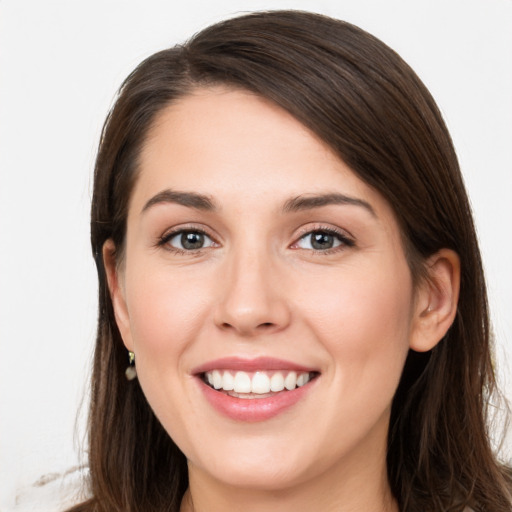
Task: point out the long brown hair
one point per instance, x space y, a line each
367 104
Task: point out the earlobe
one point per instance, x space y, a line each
436 301
114 280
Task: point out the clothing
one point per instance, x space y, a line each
54 492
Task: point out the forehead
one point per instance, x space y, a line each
242 149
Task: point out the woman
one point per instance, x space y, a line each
286 252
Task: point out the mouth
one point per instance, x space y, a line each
255 390
257 384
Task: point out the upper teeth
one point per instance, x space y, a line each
259 382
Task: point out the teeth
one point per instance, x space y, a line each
277 382
228 381
290 381
217 379
259 383
242 382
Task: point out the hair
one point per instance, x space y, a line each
366 103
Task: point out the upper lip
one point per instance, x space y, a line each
250 365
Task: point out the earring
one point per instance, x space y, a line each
131 371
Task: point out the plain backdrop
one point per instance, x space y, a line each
61 63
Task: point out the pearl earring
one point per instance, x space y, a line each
131 371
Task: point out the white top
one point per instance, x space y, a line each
54 492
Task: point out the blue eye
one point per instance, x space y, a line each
188 240
323 240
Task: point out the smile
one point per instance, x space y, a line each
255 390
258 384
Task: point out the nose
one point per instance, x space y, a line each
251 299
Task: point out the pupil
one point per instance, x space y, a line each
322 241
192 240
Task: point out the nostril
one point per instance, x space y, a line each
263 326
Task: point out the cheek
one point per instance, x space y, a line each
363 317
166 310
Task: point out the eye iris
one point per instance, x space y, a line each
192 240
322 240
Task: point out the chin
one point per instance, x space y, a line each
258 477
258 464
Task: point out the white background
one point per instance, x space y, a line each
60 66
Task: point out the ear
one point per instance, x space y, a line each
117 293
436 300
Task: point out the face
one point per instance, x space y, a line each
256 262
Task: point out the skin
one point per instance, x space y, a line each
258 288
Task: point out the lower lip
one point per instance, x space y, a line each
255 409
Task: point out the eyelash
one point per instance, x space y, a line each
341 236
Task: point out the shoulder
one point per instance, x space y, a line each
54 492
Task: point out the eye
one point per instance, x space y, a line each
188 240
323 240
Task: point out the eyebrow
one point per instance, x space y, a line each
190 199
310 202
295 204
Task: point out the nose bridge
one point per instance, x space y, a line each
252 301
